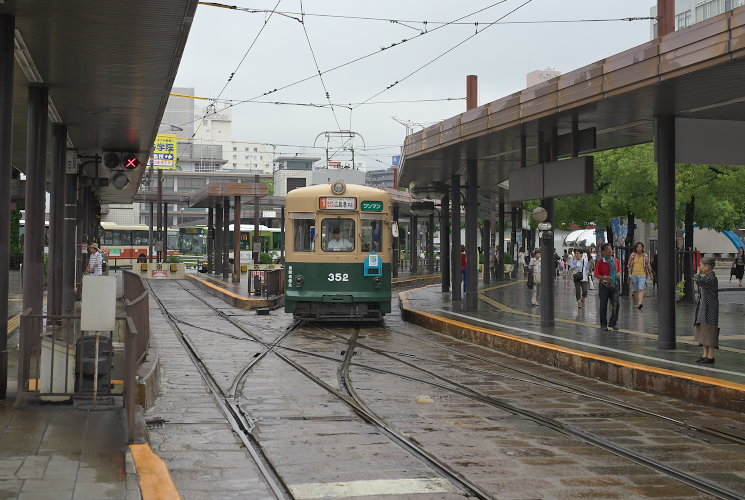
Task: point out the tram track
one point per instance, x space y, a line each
351 399
549 422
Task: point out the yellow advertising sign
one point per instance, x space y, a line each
164 152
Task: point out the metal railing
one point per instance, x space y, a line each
137 306
266 282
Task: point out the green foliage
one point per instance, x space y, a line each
16 249
507 258
174 259
680 289
265 258
717 191
271 185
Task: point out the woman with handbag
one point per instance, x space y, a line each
639 271
740 264
579 269
706 324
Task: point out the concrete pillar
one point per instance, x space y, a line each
431 244
150 234
500 271
513 242
237 240
445 242
164 234
226 238
455 248
665 147
160 212
210 240
7 30
56 218
547 151
472 213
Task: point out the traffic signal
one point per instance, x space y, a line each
115 159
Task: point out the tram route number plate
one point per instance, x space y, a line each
372 206
338 203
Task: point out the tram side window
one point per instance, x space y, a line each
139 238
338 235
372 236
305 235
117 238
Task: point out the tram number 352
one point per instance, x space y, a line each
338 277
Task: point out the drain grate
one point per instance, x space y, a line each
156 423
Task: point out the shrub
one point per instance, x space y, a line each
265 258
174 259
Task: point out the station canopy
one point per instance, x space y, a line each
109 67
694 74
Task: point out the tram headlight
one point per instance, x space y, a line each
378 281
299 280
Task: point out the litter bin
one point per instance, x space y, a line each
85 350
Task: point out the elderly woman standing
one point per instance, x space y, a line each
706 324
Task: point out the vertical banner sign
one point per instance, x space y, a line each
164 152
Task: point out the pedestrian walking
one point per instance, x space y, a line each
521 262
740 264
579 270
535 268
95 261
653 265
494 260
706 324
592 262
464 267
607 271
639 271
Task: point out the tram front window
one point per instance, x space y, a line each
338 235
372 236
305 235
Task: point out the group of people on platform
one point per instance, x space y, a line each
585 268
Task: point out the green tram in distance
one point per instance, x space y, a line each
192 241
338 253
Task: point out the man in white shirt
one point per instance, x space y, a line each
339 244
95 263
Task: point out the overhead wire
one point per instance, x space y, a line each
478 32
315 61
230 78
352 61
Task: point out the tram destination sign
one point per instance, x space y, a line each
338 203
372 206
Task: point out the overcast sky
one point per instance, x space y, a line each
501 55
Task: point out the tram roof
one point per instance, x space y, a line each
109 69
696 72
325 190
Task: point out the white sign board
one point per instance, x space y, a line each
98 307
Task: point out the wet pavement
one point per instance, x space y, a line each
60 452
506 306
461 403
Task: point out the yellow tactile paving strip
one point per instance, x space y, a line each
505 308
156 482
232 295
700 379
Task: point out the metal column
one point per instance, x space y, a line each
218 239
7 30
486 249
445 242
164 233
665 145
472 214
70 253
548 271
150 234
431 244
33 244
513 242
414 246
56 218
257 223
500 271
210 239
455 228
284 239
226 239
396 244
237 240
160 213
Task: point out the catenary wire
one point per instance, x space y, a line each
445 53
347 63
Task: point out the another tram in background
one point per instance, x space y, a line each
193 241
338 253
123 245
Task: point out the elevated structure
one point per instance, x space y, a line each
683 91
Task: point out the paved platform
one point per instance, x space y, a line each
506 321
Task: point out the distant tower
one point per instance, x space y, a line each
541 75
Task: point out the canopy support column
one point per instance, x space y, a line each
445 242
7 30
664 141
237 240
472 213
455 248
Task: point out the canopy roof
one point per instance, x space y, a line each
697 72
109 67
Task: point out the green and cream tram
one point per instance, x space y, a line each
338 245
